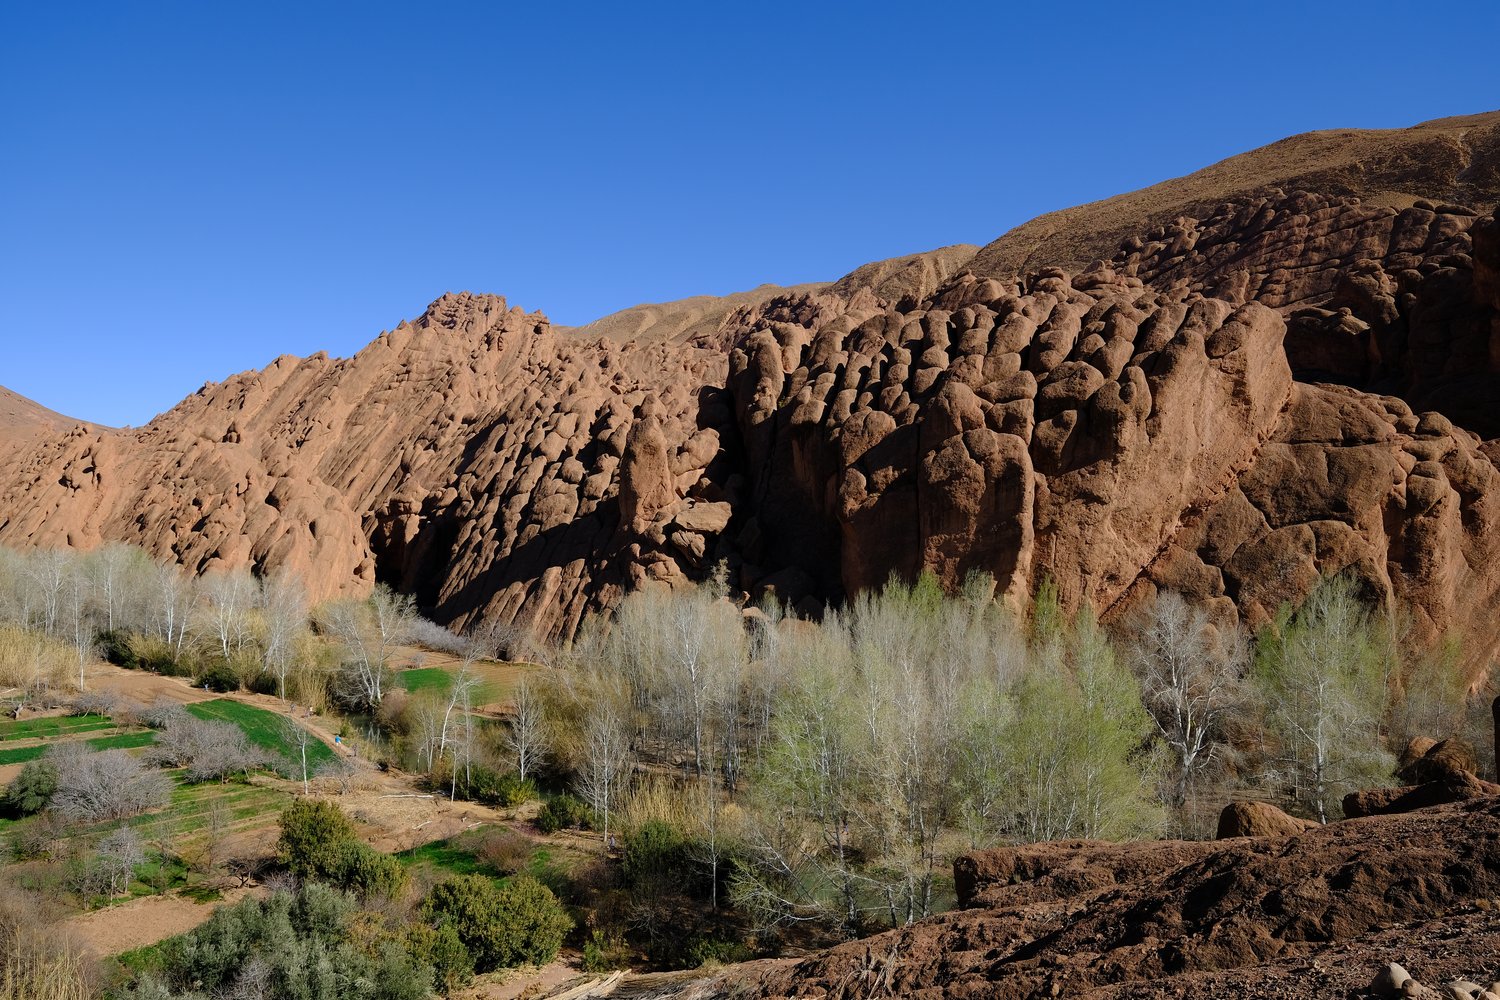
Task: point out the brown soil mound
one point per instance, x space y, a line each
1233 918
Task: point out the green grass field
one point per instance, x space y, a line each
446 857
434 679
266 730
121 741
49 728
439 681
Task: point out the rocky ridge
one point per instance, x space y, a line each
1287 384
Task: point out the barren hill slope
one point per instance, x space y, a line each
1449 160
1149 423
19 415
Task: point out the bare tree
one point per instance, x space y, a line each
107 785
1190 673
342 771
172 599
299 738
77 612
283 603
528 736
49 573
115 862
208 750
228 598
112 567
606 757
370 631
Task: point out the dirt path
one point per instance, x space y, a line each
518 983
142 921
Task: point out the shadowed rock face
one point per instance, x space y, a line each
1150 422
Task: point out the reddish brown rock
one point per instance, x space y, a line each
1259 819
1450 786
1438 760
1239 918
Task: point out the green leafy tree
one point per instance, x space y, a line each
502 926
32 789
1322 674
1078 763
313 835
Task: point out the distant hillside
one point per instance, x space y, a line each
1449 160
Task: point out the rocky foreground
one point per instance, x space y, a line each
1316 914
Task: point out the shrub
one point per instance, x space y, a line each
604 953
289 946
504 850
716 951
313 835
262 682
220 677
562 812
32 789
502 926
366 872
654 854
318 842
440 947
493 787
118 648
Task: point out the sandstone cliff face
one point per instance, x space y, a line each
1282 386
472 457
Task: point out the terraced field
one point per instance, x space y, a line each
27 739
266 730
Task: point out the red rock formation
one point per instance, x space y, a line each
1131 427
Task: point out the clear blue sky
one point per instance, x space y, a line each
189 189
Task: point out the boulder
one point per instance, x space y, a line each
1453 786
1259 819
1440 760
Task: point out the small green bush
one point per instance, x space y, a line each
32 789
605 953
563 812
440 947
118 647
494 788
654 854
366 872
262 682
716 951
313 835
220 677
502 926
